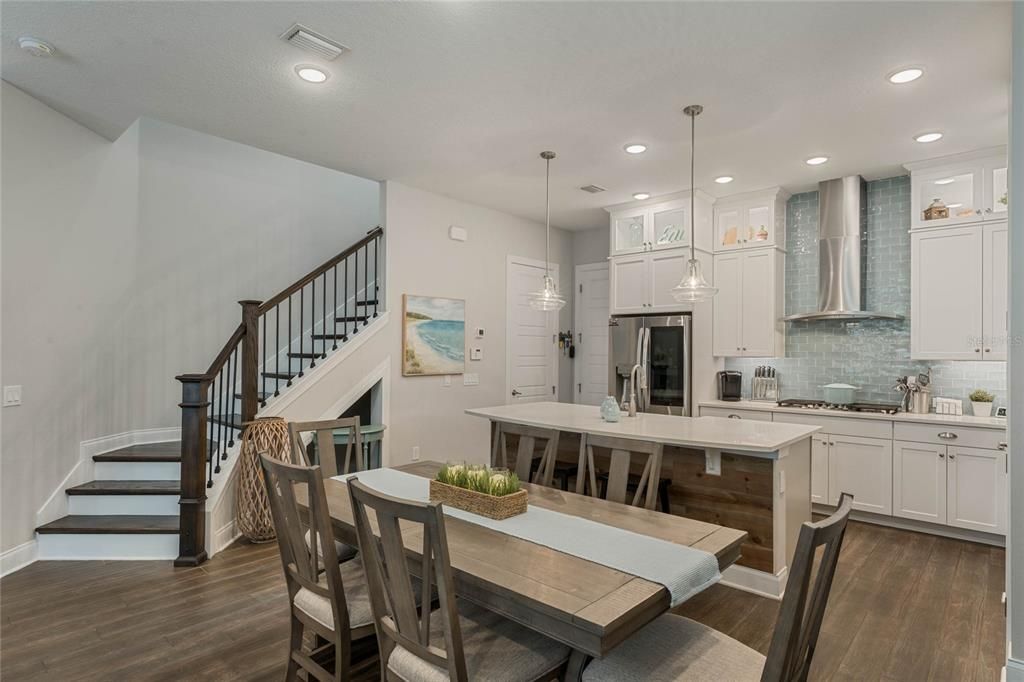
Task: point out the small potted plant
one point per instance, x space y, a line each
494 493
981 402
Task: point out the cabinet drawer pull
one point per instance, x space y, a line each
735 416
942 456
1002 445
948 435
977 350
952 456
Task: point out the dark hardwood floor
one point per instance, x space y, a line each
904 606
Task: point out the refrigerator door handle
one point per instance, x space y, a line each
645 368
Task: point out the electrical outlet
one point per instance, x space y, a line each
713 462
447 380
12 396
415 453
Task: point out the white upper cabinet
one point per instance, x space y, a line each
643 282
959 285
971 187
749 304
750 220
628 282
654 225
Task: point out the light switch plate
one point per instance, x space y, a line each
12 396
447 380
470 379
479 332
476 353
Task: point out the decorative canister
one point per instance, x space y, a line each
610 411
762 234
936 211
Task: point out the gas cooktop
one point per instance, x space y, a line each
878 408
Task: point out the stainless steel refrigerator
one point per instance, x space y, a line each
661 346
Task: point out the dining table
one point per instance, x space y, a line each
588 606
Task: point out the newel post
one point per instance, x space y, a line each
192 506
250 359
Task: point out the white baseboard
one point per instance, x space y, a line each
1014 670
756 582
18 557
223 537
56 505
920 527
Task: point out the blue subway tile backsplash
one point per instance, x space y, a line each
868 353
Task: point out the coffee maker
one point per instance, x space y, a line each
730 384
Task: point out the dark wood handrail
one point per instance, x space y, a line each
303 281
225 352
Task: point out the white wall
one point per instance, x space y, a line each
423 260
590 246
68 219
122 267
1015 366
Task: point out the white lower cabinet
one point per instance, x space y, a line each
976 489
819 469
919 481
863 468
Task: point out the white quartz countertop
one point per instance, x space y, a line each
904 417
696 432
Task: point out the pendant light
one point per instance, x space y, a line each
693 287
548 298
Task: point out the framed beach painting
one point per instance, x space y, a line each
433 335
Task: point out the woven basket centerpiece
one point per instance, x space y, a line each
493 493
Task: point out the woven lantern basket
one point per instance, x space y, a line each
252 508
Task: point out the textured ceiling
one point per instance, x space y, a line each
459 98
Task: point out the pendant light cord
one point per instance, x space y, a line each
547 216
693 141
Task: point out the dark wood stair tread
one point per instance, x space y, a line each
369 301
232 420
328 337
260 395
152 452
279 375
112 524
352 318
127 488
314 356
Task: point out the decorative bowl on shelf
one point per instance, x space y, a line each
494 493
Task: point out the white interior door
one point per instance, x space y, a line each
531 370
591 326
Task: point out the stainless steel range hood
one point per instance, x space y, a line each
841 214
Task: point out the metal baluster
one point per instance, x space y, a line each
218 388
376 275
344 305
228 410
265 368
209 438
233 364
302 326
335 309
312 324
323 324
355 296
290 337
277 348
366 284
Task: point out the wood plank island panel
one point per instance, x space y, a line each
740 498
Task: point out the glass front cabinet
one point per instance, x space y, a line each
960 189
750 220
659 225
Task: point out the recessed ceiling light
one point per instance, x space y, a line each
945 181
311 74
905 75
640 196
816 160
953 205
928 137
724 179
635 148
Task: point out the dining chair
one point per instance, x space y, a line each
459 641
528 437
676 648
326 597
645 487
323 434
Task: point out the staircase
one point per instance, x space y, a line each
148 501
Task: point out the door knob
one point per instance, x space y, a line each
515 392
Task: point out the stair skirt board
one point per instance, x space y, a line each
107 546
106 505
136 471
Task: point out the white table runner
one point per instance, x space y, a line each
684 571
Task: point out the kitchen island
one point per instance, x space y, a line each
753 476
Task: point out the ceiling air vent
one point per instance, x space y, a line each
311 41
593 189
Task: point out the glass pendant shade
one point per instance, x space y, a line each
548 298
693 287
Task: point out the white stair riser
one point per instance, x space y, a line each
136 471
103 505
76 546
